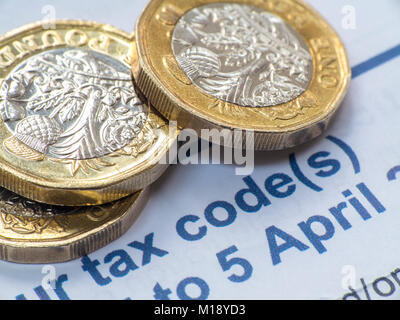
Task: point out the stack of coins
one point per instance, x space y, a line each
76 140
81 140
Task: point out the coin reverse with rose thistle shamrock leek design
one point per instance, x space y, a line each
275 68
73 130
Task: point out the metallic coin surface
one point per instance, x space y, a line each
73 131
72 104
275 68
242 54
32 232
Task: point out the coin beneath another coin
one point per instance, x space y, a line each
32 232
73 131
273 67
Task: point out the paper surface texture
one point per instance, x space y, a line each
362 147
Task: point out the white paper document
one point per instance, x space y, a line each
332 232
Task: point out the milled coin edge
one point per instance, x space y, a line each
174 109
53 251
99 191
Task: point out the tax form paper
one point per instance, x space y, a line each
331 232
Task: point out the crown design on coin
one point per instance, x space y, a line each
70 104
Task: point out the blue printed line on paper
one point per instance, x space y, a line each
376 61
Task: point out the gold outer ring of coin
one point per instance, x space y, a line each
78 182
160 78
59 237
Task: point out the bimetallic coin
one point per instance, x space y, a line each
32 232
73 130
242 54
71 103
272 67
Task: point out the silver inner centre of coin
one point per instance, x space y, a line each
242 54
72 104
